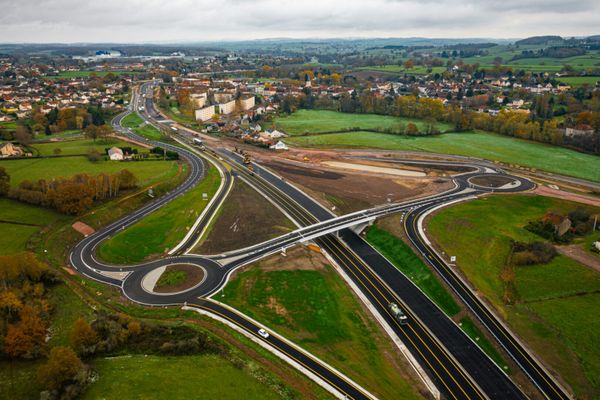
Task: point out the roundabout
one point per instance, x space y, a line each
174 279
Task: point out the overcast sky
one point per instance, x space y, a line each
199 20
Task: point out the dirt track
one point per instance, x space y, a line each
561 194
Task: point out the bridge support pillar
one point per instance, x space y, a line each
362 226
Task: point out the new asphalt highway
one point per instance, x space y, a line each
454 362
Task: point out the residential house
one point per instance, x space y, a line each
10 150
115 154
275 134
580 130
279 146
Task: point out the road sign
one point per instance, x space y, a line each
452 258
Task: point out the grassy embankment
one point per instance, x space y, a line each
403 257
485 145
315 309
136 122
163 229
317 121
556 302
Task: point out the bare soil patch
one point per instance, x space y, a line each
193 276
561 194
83 228
297 258
246 218
374 169
352 191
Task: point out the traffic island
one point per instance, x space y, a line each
173 279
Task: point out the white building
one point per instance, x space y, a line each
115 154
275 134
227 108
247 103
279 146
199 99
205 114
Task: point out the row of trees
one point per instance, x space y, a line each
73 195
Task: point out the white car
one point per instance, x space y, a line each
263 333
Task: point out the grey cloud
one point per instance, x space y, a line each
156 20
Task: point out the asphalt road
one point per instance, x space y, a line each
455 363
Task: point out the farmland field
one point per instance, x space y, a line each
85 74
473 144
48 168
70 147
18 221
317 121
554 301
400 69
579 80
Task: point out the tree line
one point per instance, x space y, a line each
70 196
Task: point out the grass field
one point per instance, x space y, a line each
399 69
161 230
9 126
85 74
316 121
135 122
70 147
315 309
184 377
473 144
580 80
171 278
14 235
555 301
48 168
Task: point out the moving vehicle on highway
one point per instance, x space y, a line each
263 333
398 313
197 142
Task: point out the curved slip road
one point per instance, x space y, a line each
458 367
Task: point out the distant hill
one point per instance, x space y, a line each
539 40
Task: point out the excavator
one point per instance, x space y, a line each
247 161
